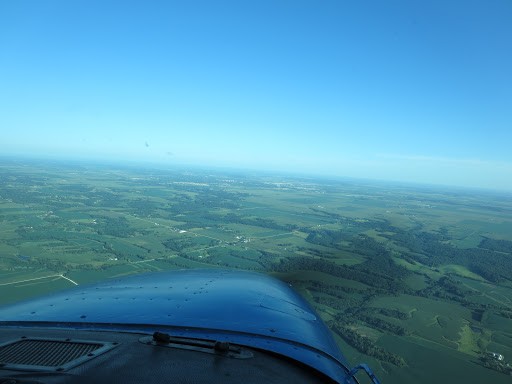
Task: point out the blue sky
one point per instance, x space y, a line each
406 90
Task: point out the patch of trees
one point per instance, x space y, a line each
331 289
366 345
177 245
337 303
425 247
362 314
75 189
373 279
316 252
197 218
354 225
205 198
336 296
103 199
506 314
493 266
433 250
504 246
442 289
383 325
114 226
437 291
143 207
257 222
326 237
477 315
47 234
454 287
126 254
393 313
378 258
267 259
219 254
51 264
22 195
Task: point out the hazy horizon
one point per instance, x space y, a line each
155 166
398 91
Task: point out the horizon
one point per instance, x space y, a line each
403 92
139 166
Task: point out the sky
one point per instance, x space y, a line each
403 90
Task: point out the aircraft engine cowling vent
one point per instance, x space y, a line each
49 355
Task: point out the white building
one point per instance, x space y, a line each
497 356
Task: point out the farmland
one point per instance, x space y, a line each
415 280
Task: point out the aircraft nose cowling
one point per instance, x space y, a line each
242 307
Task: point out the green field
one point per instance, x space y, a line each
416 281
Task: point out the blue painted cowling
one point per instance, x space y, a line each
240 307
